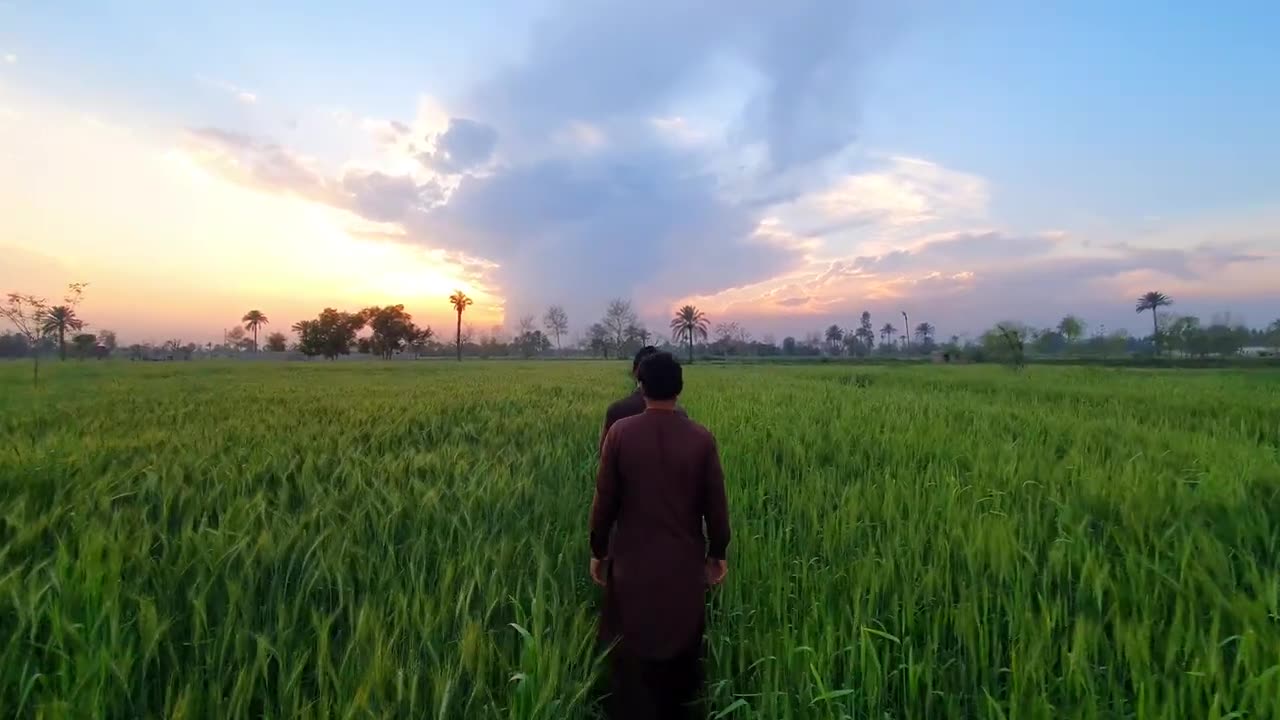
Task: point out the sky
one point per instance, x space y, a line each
782 165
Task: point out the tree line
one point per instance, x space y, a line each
388 331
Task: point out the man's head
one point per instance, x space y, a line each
644 352
661 378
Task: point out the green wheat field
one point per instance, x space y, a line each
408 540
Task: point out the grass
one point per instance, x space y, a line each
203 540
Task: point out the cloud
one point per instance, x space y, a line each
241 95
465 145
381 197
10 59
261 164
635 221
608 60
907 191
964 281
373 195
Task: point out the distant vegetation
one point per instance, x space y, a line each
389 332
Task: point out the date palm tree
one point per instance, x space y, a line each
834 337
689 324
253 320
58 321
887 334
924 333
460 301
1152 301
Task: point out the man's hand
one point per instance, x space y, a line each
597 571
716 571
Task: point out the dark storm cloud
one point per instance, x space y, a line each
465 145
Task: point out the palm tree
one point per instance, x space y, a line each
906 331
689 324
834 336
253 320
924 332
887 333
460 302
1151 301
58 321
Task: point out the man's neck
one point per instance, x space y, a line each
651 404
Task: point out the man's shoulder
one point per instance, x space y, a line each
697 428
621 408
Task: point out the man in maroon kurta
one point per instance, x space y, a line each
659 480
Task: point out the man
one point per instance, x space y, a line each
659 480
632 404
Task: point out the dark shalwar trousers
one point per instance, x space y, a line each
647 689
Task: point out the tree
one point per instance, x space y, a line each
1071 328
1007 341
598 339
865 335
1180 333
1153 301
460 301
834 337
57 322
331 334
27 314
556 322
277 342
788 345
639 334
253 320
906 331
83 344
234 339
924 334
532 342
727 335
392 329
689 324
887 334
107 339
617 318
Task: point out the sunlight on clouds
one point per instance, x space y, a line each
908 191
147 225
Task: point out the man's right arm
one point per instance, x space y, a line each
716 509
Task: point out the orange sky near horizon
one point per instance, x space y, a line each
171 250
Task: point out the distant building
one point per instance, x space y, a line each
1259 352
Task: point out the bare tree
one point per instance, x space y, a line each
27 314
617 318
556 321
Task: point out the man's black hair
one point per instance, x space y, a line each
661 377
641 354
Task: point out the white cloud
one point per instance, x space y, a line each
10 59
678 129
241 95
908 191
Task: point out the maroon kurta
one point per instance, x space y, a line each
659 479
628 406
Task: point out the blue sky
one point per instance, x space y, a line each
786 167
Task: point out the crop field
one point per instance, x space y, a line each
364 540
